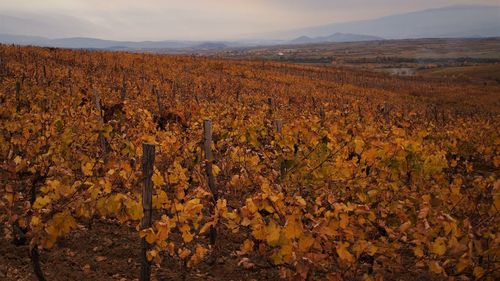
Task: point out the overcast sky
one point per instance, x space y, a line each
214 19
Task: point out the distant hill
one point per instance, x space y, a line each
447 22
93 43
22 40
83 42
335 38
211 46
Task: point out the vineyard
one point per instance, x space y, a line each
117 166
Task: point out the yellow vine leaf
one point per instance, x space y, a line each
206 227
438 247
18 160
41 202
134 209
343 253
247 246
87 169
157 179
293 228
199 254
184 253
462 264
149 139
405 226
435 267
150 255
251 206
187 237
358 145
300 201
35 221
272 231
305 242
418 252
160 199
478 272
60 225
148 234
344 220
215 169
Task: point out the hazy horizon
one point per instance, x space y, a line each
200 20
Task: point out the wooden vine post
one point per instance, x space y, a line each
34 253
148 160
143 74
322 116
70 82
386 110
123 92
44 74
238 91
158 100
270 104
18 95
102 139
174 90
2 67
278 125
207 147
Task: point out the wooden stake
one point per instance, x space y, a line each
97 102
207 136
386 112
278 125
270 104
18 95
207 147
148 160
34 253
1 66
124 89
322 115
158 100
102 139
174 90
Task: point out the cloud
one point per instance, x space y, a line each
211 19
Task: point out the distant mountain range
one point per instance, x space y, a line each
92 43
448 22
456 21
334 38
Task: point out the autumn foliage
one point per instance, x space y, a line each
372 177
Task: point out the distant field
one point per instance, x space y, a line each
474 59
417 49
475 72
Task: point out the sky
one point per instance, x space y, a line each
209 19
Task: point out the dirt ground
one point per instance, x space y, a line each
110 251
